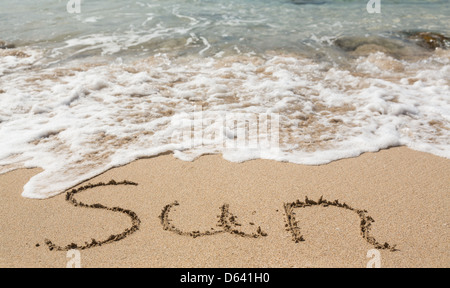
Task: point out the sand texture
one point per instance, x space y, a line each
163 212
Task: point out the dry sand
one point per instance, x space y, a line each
406 192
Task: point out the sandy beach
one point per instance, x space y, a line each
404 191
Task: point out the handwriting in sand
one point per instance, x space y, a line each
227 221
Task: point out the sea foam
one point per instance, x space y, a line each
78 120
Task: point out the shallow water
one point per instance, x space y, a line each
85 92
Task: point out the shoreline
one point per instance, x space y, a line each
406 192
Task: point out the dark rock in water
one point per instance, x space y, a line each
357 46
429 40
353 43
4 45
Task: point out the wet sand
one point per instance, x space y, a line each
214 213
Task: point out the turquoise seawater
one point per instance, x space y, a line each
142 28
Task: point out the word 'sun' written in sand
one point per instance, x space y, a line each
227 221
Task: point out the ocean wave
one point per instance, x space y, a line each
80 119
